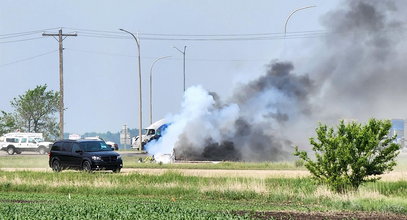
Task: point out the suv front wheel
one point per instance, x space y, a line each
116 170
41 150
86 166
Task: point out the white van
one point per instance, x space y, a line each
18 142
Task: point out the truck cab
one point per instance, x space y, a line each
152 132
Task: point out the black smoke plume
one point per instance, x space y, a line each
250 136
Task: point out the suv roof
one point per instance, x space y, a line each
79 140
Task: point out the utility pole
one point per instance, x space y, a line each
60 36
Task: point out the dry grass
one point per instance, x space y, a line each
324 192
257 185
254 185
259 174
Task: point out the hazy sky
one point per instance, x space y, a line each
100 72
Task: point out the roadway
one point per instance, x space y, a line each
30 154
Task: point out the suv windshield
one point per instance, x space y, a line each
95 146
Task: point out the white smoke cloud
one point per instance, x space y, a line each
199 120
243 128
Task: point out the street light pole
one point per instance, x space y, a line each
183 53
299 9
151 86
139 77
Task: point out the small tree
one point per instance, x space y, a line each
351 155
34 111
7 123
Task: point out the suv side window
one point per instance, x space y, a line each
31 140
75 147
12 140
67 147
23 140
57 146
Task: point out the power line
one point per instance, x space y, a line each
257 38
93 31
202 37
27 32
14 41
28 58
19 35
217 37
151 58
213 37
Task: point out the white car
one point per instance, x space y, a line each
18 142
113 145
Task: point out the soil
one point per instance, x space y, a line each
320 215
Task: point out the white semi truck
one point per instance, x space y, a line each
150 133
17 142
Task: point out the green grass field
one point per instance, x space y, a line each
173 195
44 195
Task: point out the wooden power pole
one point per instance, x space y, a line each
61 37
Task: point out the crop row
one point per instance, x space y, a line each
238 193
49 206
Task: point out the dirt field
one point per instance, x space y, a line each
323 215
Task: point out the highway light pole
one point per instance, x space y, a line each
183 53
292 13
151 86
139 77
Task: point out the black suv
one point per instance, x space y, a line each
84 155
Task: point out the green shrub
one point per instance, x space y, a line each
299 163
352 154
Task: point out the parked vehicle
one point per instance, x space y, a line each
18 142
84 154
113 145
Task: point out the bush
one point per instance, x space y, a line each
352 154
299 163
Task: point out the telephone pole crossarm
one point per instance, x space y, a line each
55 35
